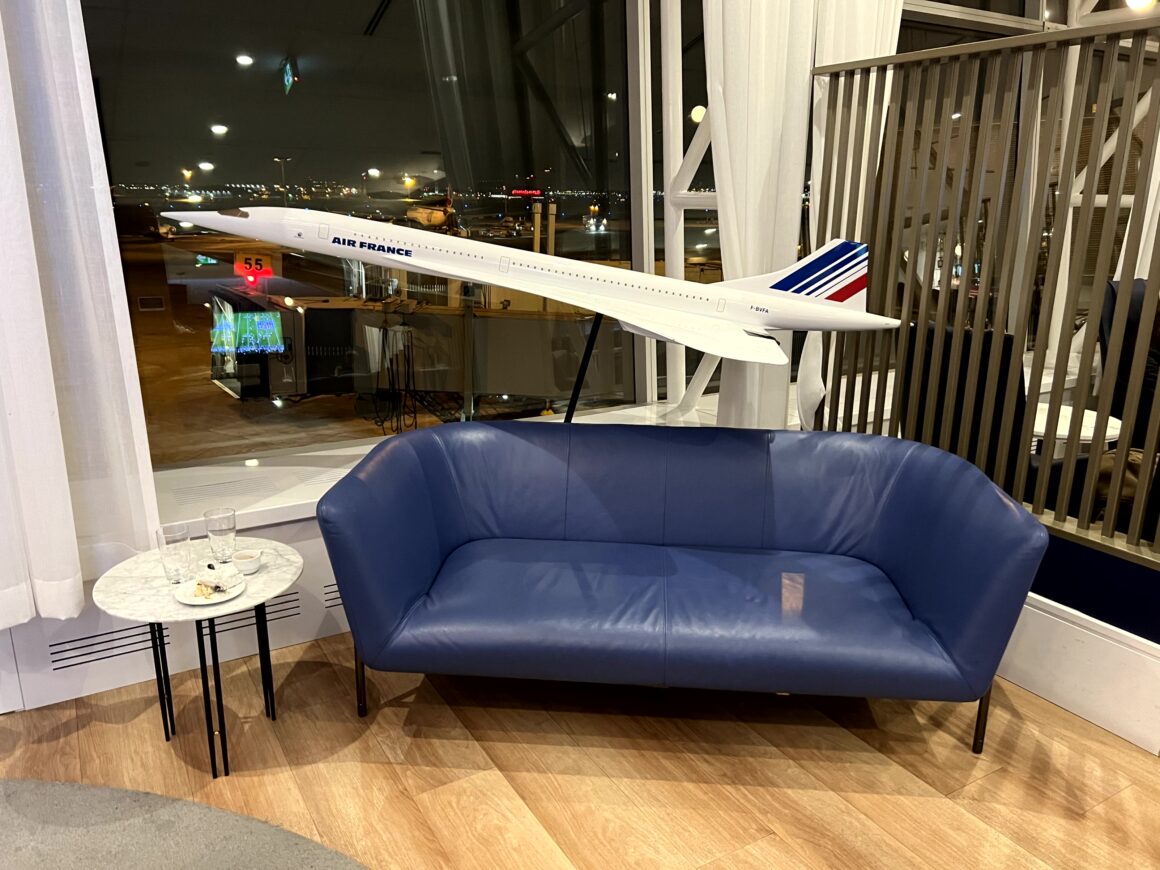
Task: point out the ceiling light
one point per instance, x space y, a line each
278 403
219 129
205 166
697 115
185 225
244 60
1140 5
956 116
374 173
301 310
251 463
611 96
289 300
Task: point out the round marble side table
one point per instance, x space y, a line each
137 590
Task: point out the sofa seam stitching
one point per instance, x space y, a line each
567 481
767 487
455 485
664 572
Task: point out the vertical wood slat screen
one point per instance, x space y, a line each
961 169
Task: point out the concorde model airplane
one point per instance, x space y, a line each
734 319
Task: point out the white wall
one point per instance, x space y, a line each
9 680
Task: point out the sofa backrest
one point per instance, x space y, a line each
659 485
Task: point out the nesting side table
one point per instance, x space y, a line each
137 590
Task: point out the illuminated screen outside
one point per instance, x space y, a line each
245 331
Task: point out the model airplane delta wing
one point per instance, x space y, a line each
734 319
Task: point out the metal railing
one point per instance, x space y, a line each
995 185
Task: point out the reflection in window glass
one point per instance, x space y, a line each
503 122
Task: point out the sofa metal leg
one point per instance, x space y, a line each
981 722
360 683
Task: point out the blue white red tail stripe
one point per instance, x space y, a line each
835 273
814 265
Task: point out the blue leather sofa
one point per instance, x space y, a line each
815 563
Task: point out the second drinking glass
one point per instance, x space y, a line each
221 529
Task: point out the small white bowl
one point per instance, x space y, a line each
247 561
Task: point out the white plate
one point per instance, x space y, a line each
184 593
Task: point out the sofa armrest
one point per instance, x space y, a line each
962 555
388 528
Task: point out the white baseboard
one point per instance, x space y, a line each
59 660
1092 669
10 696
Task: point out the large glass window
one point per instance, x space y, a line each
503 122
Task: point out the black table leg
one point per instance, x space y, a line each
156 639
266 665
209 729
217 687
165 677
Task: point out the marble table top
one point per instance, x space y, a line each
136 589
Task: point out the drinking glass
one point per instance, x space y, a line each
221 529
173 542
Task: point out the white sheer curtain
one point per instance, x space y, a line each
846 30
758 56
76 484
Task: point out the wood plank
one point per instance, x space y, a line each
1053 829
904 806
708 819
821 828
419 734
481 822
354 795
931 739
261 783
122 745
771 851
41 744
590 816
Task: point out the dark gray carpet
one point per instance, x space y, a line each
55 825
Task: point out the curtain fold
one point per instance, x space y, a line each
845 30
76 483
758 56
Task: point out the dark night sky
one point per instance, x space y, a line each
166 71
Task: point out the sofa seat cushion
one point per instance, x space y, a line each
554 610
755 620
808 623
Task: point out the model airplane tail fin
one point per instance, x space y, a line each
836 272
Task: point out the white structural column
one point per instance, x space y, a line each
758 57
673 145
640 169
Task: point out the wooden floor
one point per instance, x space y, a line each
457 772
